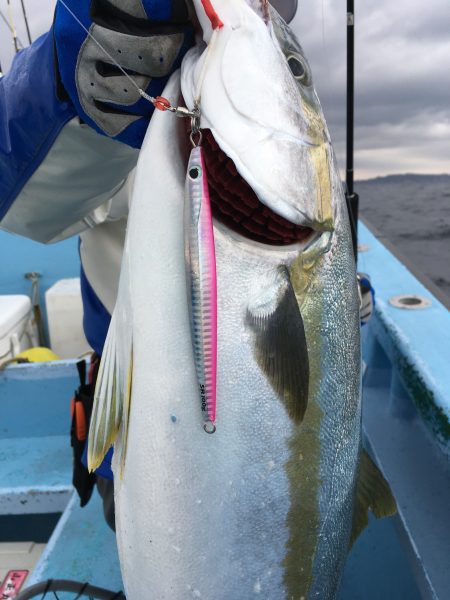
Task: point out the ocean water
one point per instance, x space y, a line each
413 213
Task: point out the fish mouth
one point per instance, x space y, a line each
235 204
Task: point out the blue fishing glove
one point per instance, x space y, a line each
147 38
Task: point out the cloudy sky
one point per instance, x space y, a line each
402 70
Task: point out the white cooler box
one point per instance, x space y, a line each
65 319
17 327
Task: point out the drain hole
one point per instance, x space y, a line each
410 302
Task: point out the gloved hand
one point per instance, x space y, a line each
148 38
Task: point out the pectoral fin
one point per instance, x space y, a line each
279 340
372 493
112 396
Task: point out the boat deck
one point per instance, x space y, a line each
82 548
47 459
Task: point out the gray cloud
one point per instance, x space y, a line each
403 82
402 76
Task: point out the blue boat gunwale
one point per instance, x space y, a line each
39 371
416 342
35 453
406 262
406 408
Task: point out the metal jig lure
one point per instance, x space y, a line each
201 277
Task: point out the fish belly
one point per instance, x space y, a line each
200 515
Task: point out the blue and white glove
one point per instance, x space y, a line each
147 38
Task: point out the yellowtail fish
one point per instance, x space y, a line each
264 507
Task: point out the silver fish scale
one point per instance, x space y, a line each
257 427
340 401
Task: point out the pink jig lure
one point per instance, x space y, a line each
202 283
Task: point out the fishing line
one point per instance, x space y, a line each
195 120
203 69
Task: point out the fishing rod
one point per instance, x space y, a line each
8 25
6 22
26 21
351 197
12 27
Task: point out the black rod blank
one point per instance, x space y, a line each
26 21
350 92
8 25
12 28
352 198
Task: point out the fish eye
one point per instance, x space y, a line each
195 172
298 68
